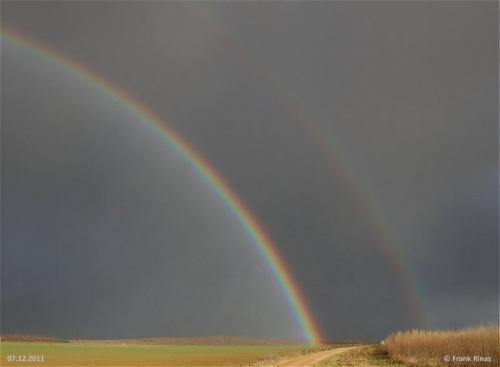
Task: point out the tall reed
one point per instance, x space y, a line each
446 347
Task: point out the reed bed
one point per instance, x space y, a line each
477 346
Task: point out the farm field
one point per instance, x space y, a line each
73 354
420 348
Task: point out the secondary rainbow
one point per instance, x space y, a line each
385 239
262 241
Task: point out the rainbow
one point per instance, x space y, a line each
379 227
264 244
385 239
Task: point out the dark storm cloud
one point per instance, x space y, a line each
464 255
407 92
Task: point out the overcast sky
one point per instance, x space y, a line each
330 119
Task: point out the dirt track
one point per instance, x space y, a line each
310 360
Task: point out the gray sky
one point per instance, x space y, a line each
107 233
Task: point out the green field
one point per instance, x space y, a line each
73 354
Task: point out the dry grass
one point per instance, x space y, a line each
434 348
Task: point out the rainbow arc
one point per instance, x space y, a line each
263 242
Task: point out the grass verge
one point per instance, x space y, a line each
364 356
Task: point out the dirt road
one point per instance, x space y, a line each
310 360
